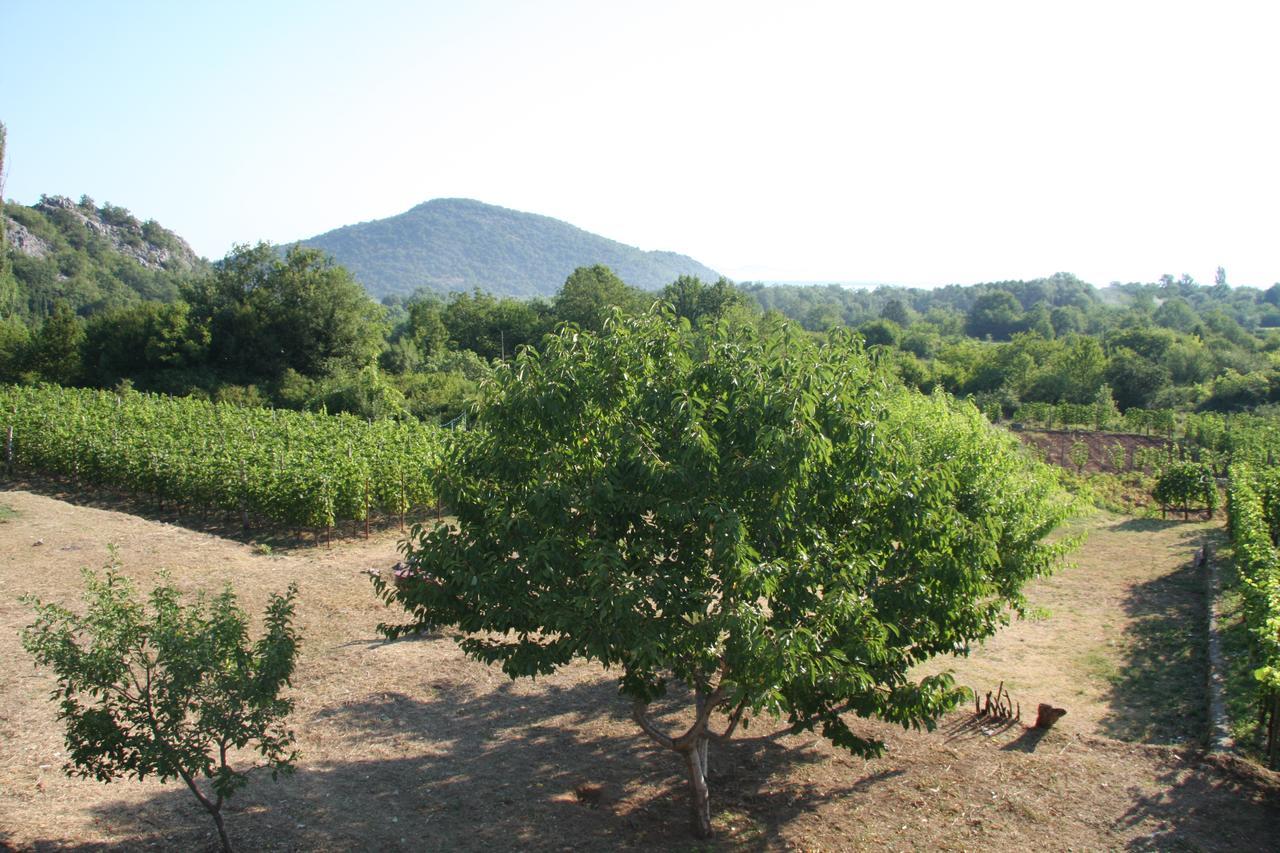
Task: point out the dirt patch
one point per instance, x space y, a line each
410 746
1108 452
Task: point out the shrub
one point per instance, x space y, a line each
1187 485
168 690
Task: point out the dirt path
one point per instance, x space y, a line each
1117 638
410 746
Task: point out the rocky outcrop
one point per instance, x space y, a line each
147 243
17 236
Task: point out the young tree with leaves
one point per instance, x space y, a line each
168 690
1189 485
773 524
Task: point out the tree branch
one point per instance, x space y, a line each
734 719
640 713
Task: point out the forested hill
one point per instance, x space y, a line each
92 258
455 244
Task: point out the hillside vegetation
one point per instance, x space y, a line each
93 258
455 244
90 296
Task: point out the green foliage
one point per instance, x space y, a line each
879 333
55 349
1135 379
492 328
165 689
449 245
158 345
697 302
1079 454
590 296
93 259
996 314
1105 412
1234 392
1253 504
268 314
770 522
292 468
1186 486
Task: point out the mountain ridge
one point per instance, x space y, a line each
452 244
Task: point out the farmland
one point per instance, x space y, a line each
410 744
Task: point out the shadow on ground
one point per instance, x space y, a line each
1146 525
503 769
1158 694
1236 807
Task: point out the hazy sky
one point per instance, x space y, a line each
917 143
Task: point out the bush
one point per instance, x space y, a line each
1186 485
168 690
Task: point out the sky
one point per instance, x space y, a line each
914 143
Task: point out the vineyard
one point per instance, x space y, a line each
294 469
1254 502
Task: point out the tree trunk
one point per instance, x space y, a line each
222 832
213 808
695 760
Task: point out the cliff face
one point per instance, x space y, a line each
152 246
21 239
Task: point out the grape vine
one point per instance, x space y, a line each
295 469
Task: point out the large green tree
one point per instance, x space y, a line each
267 314
771 524
590 294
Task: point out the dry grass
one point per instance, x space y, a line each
411 746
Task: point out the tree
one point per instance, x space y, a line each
168 690
1105 411
425 326
1189 485
880 333
773 524
494 328
8 286
15 340
996 314
267 314
141 342
694 301
55 349
1134 380
1079 455
590 294
895 310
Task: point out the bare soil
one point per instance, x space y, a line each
411 746
1054 446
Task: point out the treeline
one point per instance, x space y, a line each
295 330
292 329
1174 344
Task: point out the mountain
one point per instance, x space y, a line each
454 244
93 258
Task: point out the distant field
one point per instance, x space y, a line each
411 746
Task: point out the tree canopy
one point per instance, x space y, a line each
773 524
269 314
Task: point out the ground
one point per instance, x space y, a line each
409 745
1054 446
